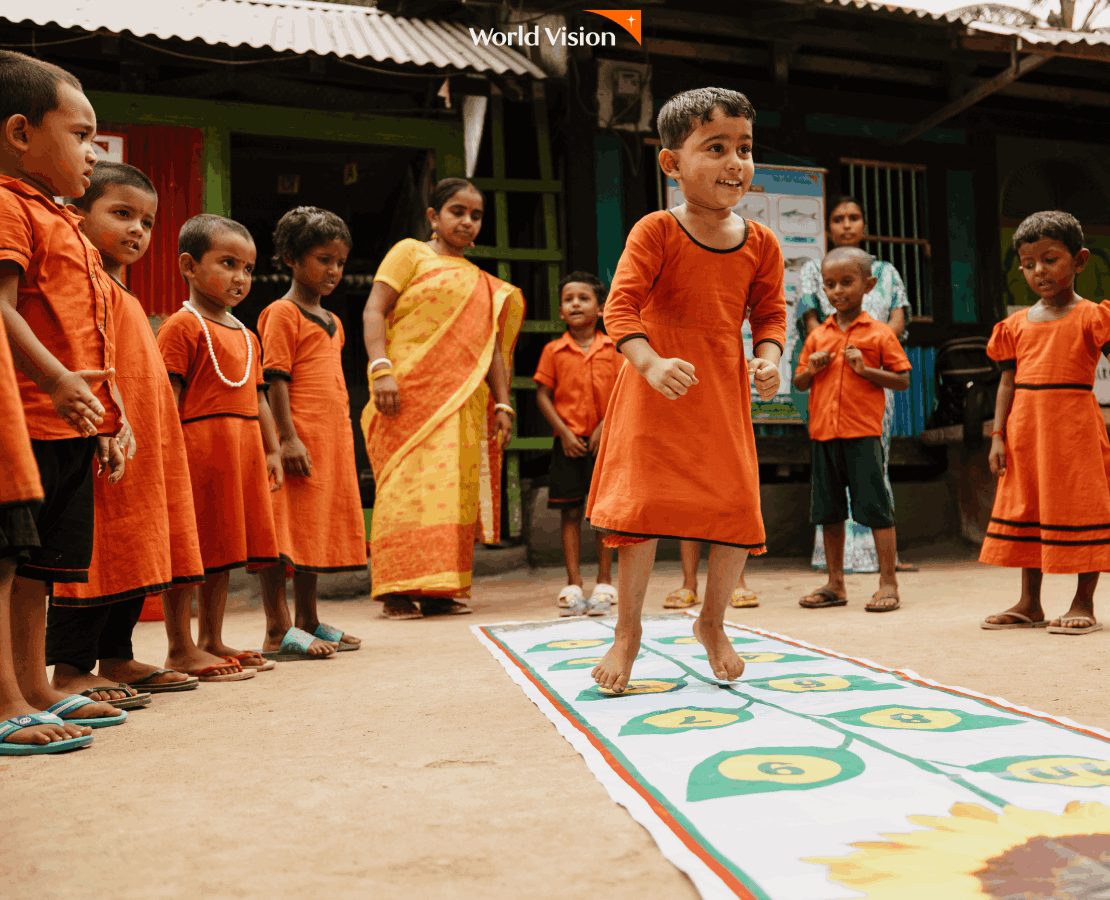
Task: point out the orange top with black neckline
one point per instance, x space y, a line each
582 381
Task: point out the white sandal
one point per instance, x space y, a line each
603 597
572 602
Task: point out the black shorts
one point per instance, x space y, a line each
854 465
570 478
18 535
65 518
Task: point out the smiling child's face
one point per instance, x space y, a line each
120 222
845 284
714 166
1049 267
578 305
321 268
222 276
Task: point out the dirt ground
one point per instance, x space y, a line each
415 768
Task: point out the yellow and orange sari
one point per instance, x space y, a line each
437 465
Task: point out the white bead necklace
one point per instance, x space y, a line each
212 351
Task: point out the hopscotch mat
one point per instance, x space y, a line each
819 776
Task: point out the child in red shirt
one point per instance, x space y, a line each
574 379
848 360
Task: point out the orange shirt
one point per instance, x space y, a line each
21 474
582 381
63 295
843 404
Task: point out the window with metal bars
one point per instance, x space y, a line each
893 200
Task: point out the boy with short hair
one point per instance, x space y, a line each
53 297
848 361
677 457
574 380
146 535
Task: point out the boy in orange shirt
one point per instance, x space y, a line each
573 382
848 360
54 302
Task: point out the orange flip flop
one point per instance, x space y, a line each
683 598
744 599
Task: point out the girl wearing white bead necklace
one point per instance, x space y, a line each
215 367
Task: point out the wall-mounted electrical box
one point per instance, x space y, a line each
624 95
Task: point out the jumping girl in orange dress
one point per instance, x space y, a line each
1052 510
214 363
318 514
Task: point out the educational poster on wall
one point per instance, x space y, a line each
790 200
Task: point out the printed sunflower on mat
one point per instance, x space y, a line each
1018 854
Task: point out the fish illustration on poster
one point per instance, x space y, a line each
790 200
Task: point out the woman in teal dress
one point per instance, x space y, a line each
888 304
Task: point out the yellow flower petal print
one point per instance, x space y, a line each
976 853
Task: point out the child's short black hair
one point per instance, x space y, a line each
195 237
861 258
684 112
595 283
303 228
447 188
1054 224
29 86
106 174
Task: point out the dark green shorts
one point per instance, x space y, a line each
849 465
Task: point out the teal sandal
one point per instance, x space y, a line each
76 701
18 723
328 633
294 648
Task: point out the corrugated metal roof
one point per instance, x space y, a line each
1041 36
867 5
298 26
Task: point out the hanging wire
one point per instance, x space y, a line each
34 45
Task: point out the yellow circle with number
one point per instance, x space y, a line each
1065 770
897 717
819 683
691 718
785 769
689 640
576 645
760 657
583 661
646 686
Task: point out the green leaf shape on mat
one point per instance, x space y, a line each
581 662
915 718
1069 771
685 718
690 639
755 656
799 684
636 687
572 644
760 770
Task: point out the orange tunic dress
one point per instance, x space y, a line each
687 468
319 521
20 482
227 460
145 540
1052 508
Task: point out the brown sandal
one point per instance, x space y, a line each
883 594
443 606
822 597
400 607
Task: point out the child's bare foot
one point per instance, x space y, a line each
1077 620
39 734
246 658
69 680
724 662
615 668
273 639
195 660
95 710
130 671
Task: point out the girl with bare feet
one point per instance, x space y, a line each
214 364
677 457
146 531
440 334
1049 447
318 514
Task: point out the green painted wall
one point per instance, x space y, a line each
609 173
960 192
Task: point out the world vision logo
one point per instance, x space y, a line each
628 19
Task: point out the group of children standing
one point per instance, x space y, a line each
212 450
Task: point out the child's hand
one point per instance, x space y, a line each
595 438
504 426
125 437
274 471
295 458
76 404
671 377
766 376
573 445
387 396
997 456
818 361
854 358
110 458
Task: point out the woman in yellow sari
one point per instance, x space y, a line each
440 333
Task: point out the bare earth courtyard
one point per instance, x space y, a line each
415 768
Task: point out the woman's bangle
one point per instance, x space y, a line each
381 373
384 359
1002 433
504 407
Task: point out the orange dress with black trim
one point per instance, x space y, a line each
319 521
687 468
1052 508
145 540
20 483
227 460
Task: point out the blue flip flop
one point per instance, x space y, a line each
328 633
76 701
294 648
18 723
